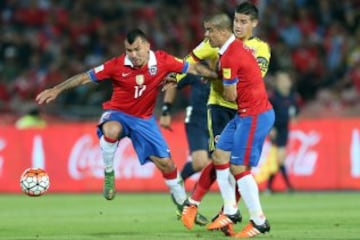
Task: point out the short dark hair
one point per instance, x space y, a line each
248 8
132 35
220 21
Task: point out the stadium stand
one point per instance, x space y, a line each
42 42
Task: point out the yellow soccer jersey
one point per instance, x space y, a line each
204 51
261 51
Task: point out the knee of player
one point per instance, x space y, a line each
240 169
200 163
220 157
112 129
199 158
165 165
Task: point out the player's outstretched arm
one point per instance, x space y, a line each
51 94
202 70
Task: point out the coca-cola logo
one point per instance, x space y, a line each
301 159
86 160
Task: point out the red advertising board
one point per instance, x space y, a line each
322 155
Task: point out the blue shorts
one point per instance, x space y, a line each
218 117
145 134
244 137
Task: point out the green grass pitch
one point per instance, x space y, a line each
151 216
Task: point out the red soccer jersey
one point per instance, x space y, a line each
135 89
238 66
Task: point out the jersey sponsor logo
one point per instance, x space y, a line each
153 70
125 74
139 79
99 68
226 72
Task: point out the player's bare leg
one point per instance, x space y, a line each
199 160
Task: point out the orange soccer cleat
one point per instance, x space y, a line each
228 230
224 220
188 214
252 230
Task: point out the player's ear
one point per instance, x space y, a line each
254 23
147 45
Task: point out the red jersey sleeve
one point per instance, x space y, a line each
103 71
174 64
229 69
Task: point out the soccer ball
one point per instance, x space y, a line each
34 182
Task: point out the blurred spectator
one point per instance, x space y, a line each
32 119
289 32
43 41
286 107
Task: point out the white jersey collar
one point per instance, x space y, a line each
226 44
152 60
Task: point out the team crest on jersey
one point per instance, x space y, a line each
153 70
139 79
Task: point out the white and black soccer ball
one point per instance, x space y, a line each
34 182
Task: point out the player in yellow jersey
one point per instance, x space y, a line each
220 111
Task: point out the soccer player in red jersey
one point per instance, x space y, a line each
137 76
240 144
221 111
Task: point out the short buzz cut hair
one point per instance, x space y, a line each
220 21
132 35
249 9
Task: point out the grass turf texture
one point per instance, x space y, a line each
152 216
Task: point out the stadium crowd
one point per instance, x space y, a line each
45 41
